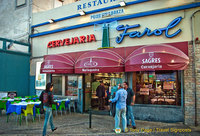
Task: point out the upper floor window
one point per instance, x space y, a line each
20 3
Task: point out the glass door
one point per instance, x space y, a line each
57 84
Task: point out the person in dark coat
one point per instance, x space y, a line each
129 103
47 99
100 93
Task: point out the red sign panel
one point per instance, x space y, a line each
70 41
156 57
100 61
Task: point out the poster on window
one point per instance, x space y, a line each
168 85
144 91
40 79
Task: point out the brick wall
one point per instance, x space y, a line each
189 87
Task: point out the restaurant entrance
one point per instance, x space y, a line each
92 81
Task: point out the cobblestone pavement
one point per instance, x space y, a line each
102 125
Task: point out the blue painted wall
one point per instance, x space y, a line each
14 69
32 85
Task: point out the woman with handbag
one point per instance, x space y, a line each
47 101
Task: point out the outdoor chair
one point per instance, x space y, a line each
54 108
71 104
29 110
61 107
28 97
29 100
2 106
15 102
37 100
34 96
6 98
38 112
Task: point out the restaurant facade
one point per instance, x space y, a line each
153 45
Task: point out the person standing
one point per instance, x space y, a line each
120 99
129 103
47 99
100 93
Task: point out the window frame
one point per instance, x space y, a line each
20 6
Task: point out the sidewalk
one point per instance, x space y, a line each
78 124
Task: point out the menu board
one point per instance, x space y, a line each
40 79
144 91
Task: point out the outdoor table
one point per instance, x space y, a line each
17 108
67 101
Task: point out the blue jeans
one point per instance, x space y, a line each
48 117
117 118
129 115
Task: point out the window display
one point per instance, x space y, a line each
158 87
72 86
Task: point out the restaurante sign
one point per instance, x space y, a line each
72 40
148 31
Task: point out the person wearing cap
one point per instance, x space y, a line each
47 101
120 98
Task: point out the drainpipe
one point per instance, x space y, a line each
194 64
30 2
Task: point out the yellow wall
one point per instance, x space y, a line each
152 22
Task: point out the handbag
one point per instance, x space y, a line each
41 108
41 105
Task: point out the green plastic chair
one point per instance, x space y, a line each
2 106
34 96
28 100
19 97
28 97
14 102
54 108
62 106
29 110
37 100
38 112
6 98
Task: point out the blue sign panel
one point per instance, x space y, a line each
147 31
108 13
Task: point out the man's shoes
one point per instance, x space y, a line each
134 127
54 129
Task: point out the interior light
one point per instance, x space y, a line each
51 21
122 3
81 12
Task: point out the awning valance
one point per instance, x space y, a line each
156 57
61 63
99 61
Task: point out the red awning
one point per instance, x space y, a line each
61 63
156 57
100 61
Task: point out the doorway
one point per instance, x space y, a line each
92 81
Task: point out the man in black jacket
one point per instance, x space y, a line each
100 93
47 99
129 103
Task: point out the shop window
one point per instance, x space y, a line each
157 87
71 85
57 85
